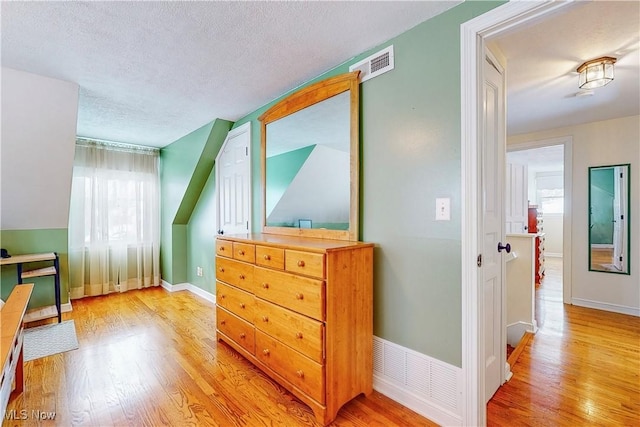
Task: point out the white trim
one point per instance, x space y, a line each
601 246
245 128
47 312
191 288
414 402
616 308
552 254
515 331
422 383
472 34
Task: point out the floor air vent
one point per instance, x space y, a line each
374 65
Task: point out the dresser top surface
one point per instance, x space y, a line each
295 242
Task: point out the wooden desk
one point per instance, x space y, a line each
53 270
11 352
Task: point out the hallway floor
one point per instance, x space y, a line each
581 368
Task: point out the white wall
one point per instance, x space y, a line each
39 120
552 224
597 144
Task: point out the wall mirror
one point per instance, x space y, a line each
310 161
609 218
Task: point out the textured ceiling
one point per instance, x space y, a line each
542 59
151 72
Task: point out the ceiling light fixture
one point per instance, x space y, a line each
596 73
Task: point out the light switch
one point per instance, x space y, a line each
443 209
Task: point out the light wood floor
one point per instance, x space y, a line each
150 358
582 368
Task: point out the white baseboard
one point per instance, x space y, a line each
47 312
515 331
423 384
616 308
601 246
191 288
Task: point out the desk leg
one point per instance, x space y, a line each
19 268
56 263
20 371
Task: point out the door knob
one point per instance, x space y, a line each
506 247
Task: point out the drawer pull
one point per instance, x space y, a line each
241 305
300 373
241 252
265 318
223 296
265 286
301 263
221 270
299 335
223 322
267 257
221 248
242 277
242 336
299 296
265 351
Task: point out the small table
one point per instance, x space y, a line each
53 270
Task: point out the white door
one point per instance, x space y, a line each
493 265
233 182
618 219
517 202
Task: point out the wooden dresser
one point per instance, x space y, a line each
301 310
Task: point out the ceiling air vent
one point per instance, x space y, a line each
376 64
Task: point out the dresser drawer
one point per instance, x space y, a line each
235 300
299 370
306 263
243 333
236 273
224 248
297 331
300 294
244 252
270 257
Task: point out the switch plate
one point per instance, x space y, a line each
199 271
443 209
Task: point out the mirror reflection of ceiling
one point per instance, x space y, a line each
325 123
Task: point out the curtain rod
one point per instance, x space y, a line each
116 145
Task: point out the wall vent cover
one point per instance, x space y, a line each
374 65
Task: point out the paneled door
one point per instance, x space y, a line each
516 198
493 265
233 182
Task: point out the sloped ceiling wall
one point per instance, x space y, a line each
39 116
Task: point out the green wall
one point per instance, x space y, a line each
36 241
410 139
185 166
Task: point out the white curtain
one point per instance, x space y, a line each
114 220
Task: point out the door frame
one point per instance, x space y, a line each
567 142
472 47
244 128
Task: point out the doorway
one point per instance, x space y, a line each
473 36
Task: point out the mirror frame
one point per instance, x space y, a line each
297 101
627 212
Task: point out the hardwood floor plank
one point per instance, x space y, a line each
150 358
581 368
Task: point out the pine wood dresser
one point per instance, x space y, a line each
301 310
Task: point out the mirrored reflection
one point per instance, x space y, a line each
609 219
308 167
